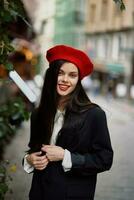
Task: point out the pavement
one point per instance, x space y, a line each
14 152
116 184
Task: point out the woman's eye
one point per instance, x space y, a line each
60 73
73 75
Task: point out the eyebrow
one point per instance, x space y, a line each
69 72
74 73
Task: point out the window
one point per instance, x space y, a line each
115 47
104 10
79 13
78 17
92 13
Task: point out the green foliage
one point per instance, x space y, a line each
9 10
120 3
12 113
3 180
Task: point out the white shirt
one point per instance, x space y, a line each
66 162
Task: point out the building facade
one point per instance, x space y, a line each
69 22
42 14
110 42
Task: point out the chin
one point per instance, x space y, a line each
63 94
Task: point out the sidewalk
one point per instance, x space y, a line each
14 153
115 106
118 183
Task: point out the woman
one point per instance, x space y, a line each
69 141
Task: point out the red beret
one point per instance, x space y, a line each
75 56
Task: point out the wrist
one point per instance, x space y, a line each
28 158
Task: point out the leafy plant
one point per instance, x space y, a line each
3 180
12 113
13 110
10 11
9 110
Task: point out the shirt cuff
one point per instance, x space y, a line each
27 167
67 162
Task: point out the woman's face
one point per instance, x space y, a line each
67 79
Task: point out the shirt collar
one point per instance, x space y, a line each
59 114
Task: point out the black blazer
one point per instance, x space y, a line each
91 153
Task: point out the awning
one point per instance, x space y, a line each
112 68
115 68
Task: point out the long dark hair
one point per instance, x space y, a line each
77 102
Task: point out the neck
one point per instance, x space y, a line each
63 102
61 105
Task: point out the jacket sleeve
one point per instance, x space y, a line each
100 157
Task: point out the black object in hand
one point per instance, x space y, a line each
42 153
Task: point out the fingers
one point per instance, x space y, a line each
52 157
41 165
37 153
39 158
49 149
53 153
45 148
37 161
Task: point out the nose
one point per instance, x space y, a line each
65 78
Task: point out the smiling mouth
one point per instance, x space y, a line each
63 87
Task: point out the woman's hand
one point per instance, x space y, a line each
53 153
37 161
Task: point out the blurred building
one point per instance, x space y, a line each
42 13
110 41
69 22
98 27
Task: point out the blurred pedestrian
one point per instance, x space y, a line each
96 87
110 89
69 142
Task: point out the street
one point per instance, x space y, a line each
116 184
